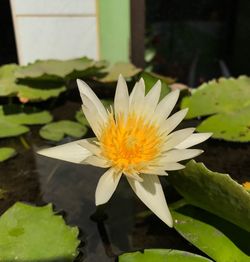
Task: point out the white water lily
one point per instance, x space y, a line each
133 138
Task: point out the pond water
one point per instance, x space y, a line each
118 226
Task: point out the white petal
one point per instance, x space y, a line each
136 99
96 161
173 166
173 121
106 186
134 176
87 143
176 155
151 194
155 171
85 90
121 100
94 118
166 105
162 165
177 137
71 152
194 139
153 95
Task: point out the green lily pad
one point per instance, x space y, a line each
29 233
9 86
151 78
126 69
161 255
6 153
57 130
219 239
59 70
215 192
226 102
13 124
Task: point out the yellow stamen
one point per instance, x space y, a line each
130 143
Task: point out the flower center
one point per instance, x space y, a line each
130 144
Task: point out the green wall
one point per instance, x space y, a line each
114 30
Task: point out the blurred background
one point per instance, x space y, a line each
193 41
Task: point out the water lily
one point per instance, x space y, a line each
133 138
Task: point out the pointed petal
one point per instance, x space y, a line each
153 96
164 166
155 171
176 138
173 166
71 152
177 155
86 143
121 100
106 186
194 139
136 99
91 113
151 194
173 121
166 105
96 161
86 91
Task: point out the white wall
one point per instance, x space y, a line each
60 29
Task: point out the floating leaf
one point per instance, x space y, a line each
11 129
36 94
29 233
79 116
13 124
59 70
215 192
160 255
6 153
9 86
57 130
216 237
126 69
228 101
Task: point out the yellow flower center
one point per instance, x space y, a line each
130 144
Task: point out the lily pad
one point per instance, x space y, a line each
57 130
9 86
215 192
6 153
13 124
161 255
59 70
226 102
219 239
126 69
29 233
151 78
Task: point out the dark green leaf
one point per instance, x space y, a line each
215 192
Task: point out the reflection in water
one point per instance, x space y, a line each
71 188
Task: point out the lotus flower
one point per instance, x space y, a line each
135 139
